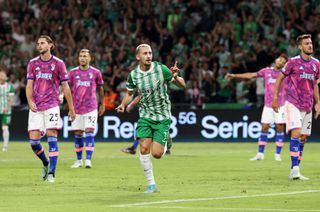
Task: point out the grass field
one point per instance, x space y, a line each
197 176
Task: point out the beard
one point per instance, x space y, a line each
147 63
308 52
43 51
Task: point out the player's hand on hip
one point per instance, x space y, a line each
32 106
101 110
120 108
275 106
72 114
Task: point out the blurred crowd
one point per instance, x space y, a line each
208 38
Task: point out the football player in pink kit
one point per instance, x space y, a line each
45 74
269 75
84 81
301 73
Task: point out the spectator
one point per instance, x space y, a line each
225 91
240 35
110 98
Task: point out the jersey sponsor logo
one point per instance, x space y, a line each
149 90
304 75
47 76
83 83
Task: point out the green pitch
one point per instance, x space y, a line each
197 176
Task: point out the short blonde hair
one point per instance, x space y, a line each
142 45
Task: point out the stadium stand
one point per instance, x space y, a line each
209 38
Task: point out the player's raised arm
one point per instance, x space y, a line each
275 102
178 81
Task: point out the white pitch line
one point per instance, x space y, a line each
230 209
213 198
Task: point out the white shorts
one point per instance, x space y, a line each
298 119
85 121
45 120
269 116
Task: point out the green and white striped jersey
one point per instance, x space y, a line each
6 90
152 85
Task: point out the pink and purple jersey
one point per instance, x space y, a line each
270 75
47 77
301 77
83 84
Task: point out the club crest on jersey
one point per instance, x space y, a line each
77 77
52 67
314 68
90 75
301 68
38 68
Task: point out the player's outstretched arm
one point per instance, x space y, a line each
275 102
67 94
125 101
178 81
241 76
29 93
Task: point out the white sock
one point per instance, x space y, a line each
5 134
296 168
147 168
